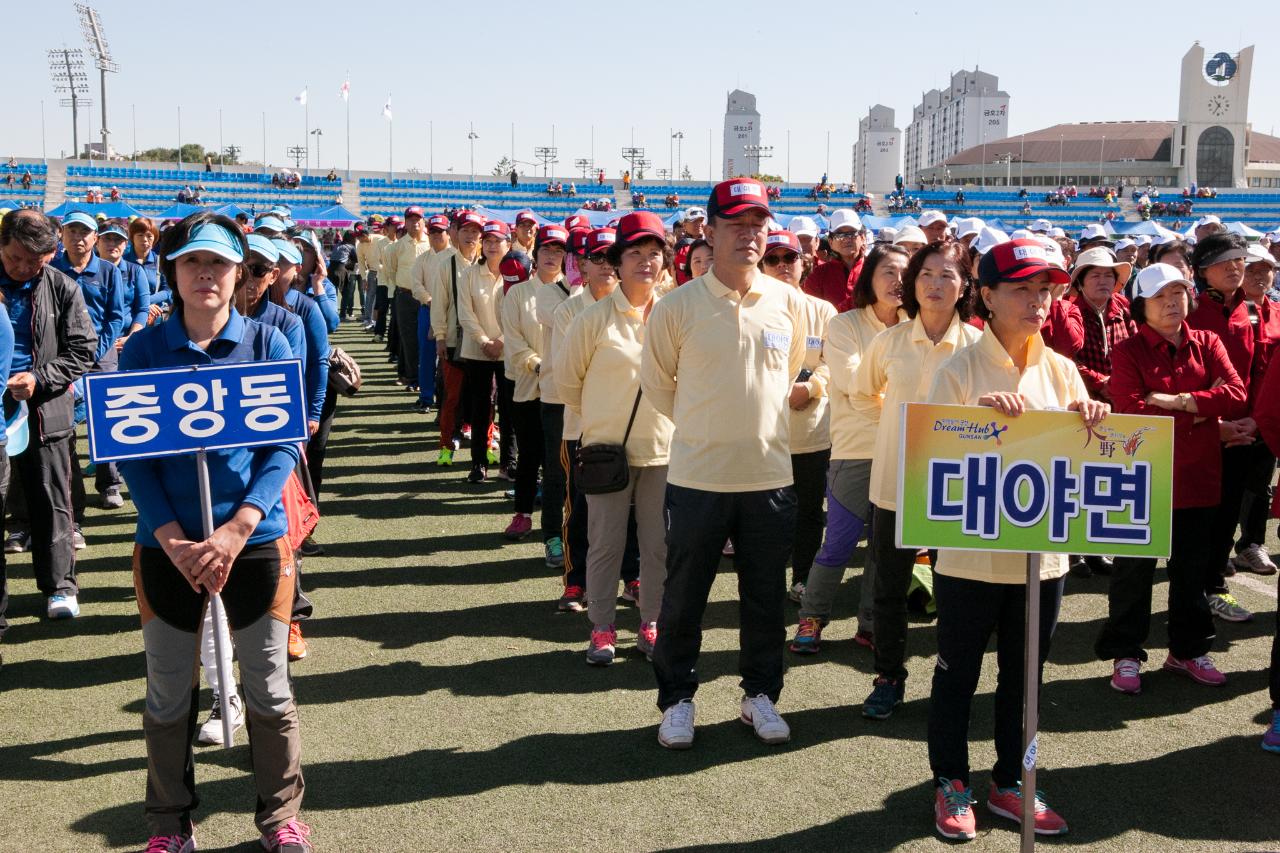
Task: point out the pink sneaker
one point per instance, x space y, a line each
953 810
1199 669
601 649
289 837
1007 802
183 842
631 592
647 639
519 527
1124 676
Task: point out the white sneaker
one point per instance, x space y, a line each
676 731
211 731
759 713
63 607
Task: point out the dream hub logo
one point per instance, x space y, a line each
968 430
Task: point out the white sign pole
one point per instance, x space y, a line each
219 618
1030 705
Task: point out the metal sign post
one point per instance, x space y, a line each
217 614
1031 704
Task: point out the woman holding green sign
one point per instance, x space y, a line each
983 592
247 560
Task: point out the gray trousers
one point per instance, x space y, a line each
848 512
607 518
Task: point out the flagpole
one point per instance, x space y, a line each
306 129
347 100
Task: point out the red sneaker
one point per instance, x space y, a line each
297 645
1125 676
1200 670
1007 802
571 601
631 592
521 525
953 810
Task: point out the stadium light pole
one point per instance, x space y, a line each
1101 151
788 156
91 24
66 70
1059 159
44 155
317 133
179 136
134 118
472 136
678 136
222 163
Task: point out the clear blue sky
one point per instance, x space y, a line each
649 66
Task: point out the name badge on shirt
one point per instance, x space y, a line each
813 343
777 340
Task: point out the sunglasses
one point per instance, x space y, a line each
783 258
844 235
260 270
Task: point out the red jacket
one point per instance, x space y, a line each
1063 329
833 281
1266 335
1230 322
1147 362
1102 334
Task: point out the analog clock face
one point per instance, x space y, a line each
1218 105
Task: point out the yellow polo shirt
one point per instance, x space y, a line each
1050 381
420 276
848 336
523 344
479 306
547 299
563 316
897 368
369 254
399 257
720 364
811 426
599 378
444 313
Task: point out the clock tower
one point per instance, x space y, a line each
1210 140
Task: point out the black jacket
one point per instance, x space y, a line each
63 343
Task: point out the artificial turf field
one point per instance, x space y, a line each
446 705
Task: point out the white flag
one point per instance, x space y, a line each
386 109
301 97
345 91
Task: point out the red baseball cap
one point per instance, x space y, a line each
496 227
573 223
782 240
413 210
439 222
737 196
515 268
469 217
526 215
599 240
551 235
1017 260
640 225
578 240
394 220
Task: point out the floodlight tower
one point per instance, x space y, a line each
66 70
91 25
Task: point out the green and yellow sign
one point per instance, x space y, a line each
973 479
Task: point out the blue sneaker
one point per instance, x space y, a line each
886 694
554 553
1271 740
63 607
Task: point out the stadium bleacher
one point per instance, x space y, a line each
15 195
152 190
385 197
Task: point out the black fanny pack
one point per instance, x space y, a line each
602 468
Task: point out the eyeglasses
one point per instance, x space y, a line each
844 235
784 258
260 270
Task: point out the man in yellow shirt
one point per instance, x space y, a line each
444 274
524 235
368 242
720 356
420 287
382 298
398 263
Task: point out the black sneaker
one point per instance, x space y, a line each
310 548
886 694
18 541
1080 567
477 475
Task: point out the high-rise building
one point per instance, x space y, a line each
973 110
741 128
877 155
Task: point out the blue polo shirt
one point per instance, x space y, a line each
164 489
137 294
17 299
102 287
157 286
316 363
270 314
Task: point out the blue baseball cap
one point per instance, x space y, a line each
211 237
288 251
261 245
79 217
113 228
270 223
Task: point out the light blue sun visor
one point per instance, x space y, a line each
211 238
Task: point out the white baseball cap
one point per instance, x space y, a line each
886 235
1041 225
1157 277
910 234
1208 220
694 213
1052 251
966 225
1023 234
931 217
1056 232
988 238
1093 231
803 226
1257 255
1142 240
1124 243
1272 237
843 218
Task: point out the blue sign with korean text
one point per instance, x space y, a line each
139 414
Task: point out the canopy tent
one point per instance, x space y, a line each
178 211
335 216
508 214
111 209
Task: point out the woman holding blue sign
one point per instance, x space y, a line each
246 559
983 592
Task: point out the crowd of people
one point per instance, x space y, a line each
595 368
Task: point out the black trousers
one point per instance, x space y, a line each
1191 629
45 472
346 284
506 419
526 419
393 325
318 445
380 305
4 577
574 530
893 578
553 477
481 377
762 527
407 330
810 473
1255 509
1237 465
968 613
